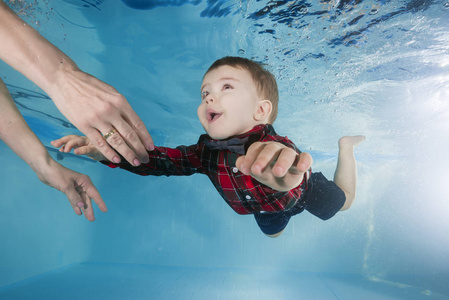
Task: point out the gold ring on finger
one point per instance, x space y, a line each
107 135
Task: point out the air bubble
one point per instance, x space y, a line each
303 10
241 52
374 11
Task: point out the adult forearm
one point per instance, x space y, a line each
23 48
93 106
16 133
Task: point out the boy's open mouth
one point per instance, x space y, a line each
212 116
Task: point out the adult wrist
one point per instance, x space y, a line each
57 78
40 161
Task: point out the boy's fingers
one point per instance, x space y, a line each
61 141
239 162
304 162
75 143
267 156
284 163
83 150
56 143
250 157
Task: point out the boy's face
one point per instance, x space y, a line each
229 102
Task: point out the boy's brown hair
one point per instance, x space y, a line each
265 81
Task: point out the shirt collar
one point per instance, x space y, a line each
238 143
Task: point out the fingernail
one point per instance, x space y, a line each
150 147
145 159
116 159
137 162
80 204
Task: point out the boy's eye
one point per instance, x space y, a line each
204 94
227 86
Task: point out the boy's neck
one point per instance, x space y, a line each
256 128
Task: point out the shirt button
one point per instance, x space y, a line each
248 197
235 170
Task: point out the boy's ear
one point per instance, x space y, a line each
263 111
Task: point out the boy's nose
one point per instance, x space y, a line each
209 99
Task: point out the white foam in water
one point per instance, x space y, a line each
378 68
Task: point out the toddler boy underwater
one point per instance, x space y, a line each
255 170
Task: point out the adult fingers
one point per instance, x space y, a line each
85 204
77 210
115 140
92 193
128 124
97 139
87 209
139 127
128 143
75 199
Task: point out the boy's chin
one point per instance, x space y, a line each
218 136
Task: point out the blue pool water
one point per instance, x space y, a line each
378 68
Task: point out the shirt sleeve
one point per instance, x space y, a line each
324 198
179 161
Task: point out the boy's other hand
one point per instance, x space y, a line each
275 165
81 146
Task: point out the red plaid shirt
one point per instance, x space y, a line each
243 193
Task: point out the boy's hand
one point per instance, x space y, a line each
81 146
275 165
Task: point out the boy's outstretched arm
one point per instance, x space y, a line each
81 146
275 165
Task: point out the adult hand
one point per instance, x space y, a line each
98 110
93 106
77 187
275 165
